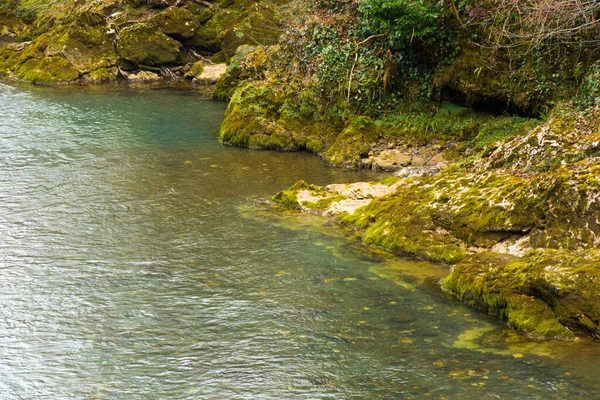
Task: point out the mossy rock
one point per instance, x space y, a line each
240 22
236 71
47 70
141 44
102 75
176 22
196 70
247 119
257 24
87 46
354 142
161 3
289 198
136 3
546 293
9 60
206 35
404 223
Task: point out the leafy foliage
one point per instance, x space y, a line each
402 20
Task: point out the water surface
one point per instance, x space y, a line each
139 260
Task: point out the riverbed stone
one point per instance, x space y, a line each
418 161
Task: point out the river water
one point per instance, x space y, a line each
139 260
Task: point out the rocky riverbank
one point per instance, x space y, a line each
518 221
495 168
66 42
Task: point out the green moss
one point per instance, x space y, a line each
354 142
223 91
390 180
141 44
196 69
289 198
47 70
85 43
547 293
177 22
323 203
102 75
206 34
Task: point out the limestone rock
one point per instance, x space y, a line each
211 74
362 190
418 161
18 46
392 159
143 76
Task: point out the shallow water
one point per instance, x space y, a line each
139 260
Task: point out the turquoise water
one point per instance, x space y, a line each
140 260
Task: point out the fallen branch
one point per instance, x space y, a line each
367 40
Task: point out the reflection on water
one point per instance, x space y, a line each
138 260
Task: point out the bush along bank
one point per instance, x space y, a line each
64 41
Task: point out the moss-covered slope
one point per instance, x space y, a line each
104 40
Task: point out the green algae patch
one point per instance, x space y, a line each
547 293
408 273
47 70
141 44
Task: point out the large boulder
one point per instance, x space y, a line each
142 45
87 43
179 23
